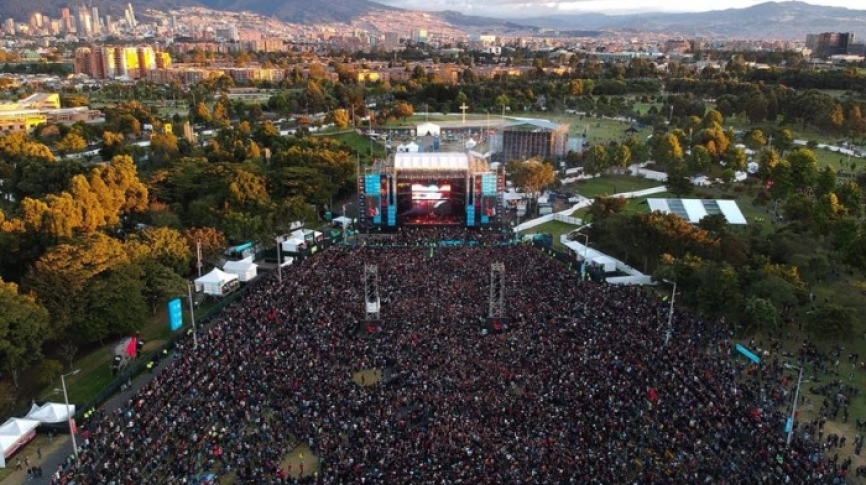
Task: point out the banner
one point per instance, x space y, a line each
175 315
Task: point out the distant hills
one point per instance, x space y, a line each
770 20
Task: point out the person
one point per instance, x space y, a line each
39 452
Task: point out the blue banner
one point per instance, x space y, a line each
470 215
175 315
748 353
789 424
372 184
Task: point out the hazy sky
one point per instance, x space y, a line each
532 8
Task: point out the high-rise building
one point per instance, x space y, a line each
119 62
828 44
85 26
130 16
94 19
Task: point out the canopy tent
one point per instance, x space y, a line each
294 245
50 413
308 235
341 221
244 269
217 282
693 210
14 434
428 129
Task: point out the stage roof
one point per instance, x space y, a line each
431 161
693 210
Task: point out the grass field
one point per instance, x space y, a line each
361 144
554 228
612 184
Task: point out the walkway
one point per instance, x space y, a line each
51 462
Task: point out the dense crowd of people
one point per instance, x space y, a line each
580 389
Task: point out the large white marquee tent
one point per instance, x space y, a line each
244 269
215 282
14 434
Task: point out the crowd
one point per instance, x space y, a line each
581 388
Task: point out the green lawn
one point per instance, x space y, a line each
555 228
612 184
642 108
361 144
635 206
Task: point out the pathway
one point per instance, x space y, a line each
53 458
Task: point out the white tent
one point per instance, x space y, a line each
245 269
428 129
294 245
14 434
341 221
50 413
412 147
215 282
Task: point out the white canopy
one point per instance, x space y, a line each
293 244
213 282
244 269
14 434
341 221
425 129
50 413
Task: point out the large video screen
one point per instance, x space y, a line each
431 201
421 192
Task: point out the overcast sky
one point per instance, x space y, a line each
533 8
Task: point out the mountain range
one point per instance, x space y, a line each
770 20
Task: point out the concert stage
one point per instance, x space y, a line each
437 188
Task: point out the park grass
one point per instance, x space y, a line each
643 108
554 228
367 377
637 205
612 184
301 454
361 144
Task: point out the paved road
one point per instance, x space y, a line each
52 461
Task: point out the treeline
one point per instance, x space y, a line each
90 250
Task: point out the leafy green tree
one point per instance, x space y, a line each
596 160
699 160
619 156
61 276
851 196
715 224
114 305
678 183
604 205
755 139
667 151
761 314
825 181
160 283
23 328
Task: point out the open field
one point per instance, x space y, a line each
611 184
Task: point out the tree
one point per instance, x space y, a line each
163 148
164 245
71 143
340 117
715 224
699 160
201 113
61 276
761 314
531 176
668 152
826 181
604 205
23 328
755 139
596 160
160 283
619 156
851 197
212 241
678 183
804 167
402 110
114 305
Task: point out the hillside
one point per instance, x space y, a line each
770 20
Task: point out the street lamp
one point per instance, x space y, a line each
70 420
671 313
790 424
280 240
192 315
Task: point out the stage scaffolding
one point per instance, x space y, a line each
372 302
496 302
